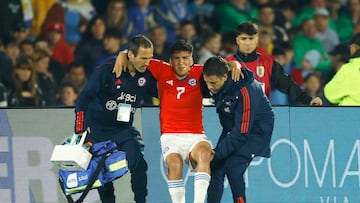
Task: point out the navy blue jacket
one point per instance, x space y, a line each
97 104
246 116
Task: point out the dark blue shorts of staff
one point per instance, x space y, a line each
126 140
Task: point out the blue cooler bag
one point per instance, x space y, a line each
107 164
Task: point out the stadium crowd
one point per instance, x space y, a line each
48 49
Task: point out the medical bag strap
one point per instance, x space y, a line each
100 165
68 197
94 177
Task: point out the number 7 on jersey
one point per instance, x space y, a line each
180 91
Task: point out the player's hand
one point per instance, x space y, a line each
317 101
235 68
120 63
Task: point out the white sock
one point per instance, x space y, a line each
201 185
177 191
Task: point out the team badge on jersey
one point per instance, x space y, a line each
111 105
141 81
192 82
260 71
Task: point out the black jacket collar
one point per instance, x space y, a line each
246 58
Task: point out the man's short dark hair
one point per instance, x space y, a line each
113 33
215 65
248 28
180 45
278 51
75 65
139 41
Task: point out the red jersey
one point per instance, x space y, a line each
261 67
180 100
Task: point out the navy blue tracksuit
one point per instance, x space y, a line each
247 119
97 107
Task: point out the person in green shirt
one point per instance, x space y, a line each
233 12
305 41
344 88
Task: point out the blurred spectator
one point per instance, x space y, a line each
68 95
210 46
90 48
56 68
343 88
305 41
26 92
233 12
308 11
228 42
265 44
3 96
158 37
266 21
40 9
279 55
11 52
170 14
72 14
310 60
111 45
61 51
277 97
347 19
339 56
112 42
289 56
8 60
140 18
76 76
27 48
100 6
202 14
187 32
116 16
327 36
286 14
10 15
45 78
313 85
20 32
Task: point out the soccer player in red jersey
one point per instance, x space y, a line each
182 132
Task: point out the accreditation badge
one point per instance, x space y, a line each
123 113
260 71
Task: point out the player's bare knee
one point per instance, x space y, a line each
203 154
174 162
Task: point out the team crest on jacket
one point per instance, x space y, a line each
260 71
111 105
192 82
141 81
